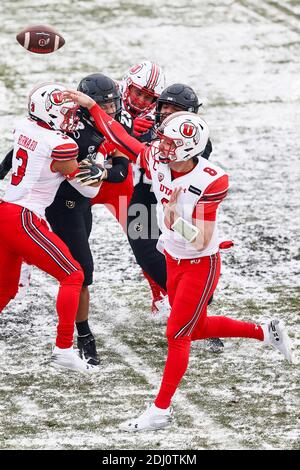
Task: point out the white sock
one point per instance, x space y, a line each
63 349
160 411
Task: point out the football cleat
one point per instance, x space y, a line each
213 345
275 335
87 349
161 309
151 420
69 359
24 280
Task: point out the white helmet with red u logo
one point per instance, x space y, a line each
182 136
46 103
147 77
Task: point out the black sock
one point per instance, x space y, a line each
83 328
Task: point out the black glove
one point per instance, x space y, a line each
89 173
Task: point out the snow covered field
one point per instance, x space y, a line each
242 57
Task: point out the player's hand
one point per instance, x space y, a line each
79 98
89 173
170 208
142 125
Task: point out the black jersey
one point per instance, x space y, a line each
88 139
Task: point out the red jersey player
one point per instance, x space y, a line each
43 156
141 86
188 191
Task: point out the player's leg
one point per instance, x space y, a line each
158 415
73 224
85 339
193 283
10 267
200 282
143 233
42 248
207 327
10 260
24 280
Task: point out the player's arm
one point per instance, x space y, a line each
205 212
64 159
6 164
119 170
109 127
65 162
199 232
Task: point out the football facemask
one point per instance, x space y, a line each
47 103
182 136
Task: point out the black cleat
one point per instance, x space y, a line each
214 345
87 349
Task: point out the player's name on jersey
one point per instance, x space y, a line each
27 142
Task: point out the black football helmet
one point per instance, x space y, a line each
179 95
103 90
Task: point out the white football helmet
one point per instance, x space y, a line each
147 77
182 136
47 103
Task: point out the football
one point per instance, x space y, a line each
40 39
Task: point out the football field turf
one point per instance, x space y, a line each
243 58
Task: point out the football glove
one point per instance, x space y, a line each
142 125
89 173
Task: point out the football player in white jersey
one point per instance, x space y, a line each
43 157
189 190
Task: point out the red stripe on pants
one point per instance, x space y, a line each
18 243
186 285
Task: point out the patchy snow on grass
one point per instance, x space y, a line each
241 57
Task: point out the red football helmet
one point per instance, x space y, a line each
143 84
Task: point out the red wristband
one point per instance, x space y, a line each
72 175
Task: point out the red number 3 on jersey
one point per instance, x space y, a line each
17 177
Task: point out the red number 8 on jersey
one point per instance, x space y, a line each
210 171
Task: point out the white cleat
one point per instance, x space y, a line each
69 359
161 309
151 420
24 281
275 335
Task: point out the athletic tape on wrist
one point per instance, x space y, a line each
188 231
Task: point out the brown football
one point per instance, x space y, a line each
40 39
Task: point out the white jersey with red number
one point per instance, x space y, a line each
33 184
205 184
